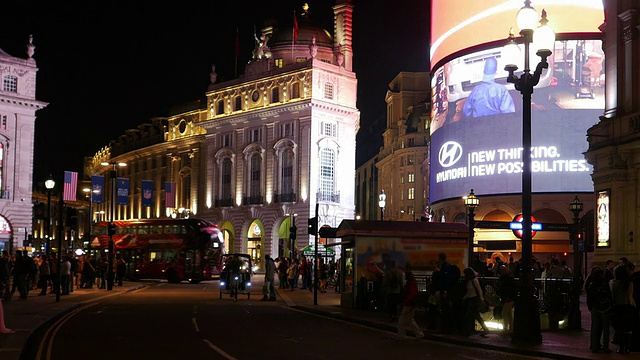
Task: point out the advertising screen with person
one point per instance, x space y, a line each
476 129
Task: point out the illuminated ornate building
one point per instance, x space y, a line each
614 142
400 166
267 147
18 106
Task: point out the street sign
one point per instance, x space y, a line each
491 224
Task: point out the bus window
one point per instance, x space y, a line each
182 230
143 229
155 229
170 229
170 255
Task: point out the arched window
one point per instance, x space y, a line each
286 174
295 90
225 180
220 109
327 175
255 165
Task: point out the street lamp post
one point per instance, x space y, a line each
382 202
527 319
471 202
293 232
575 321
49 184
113 175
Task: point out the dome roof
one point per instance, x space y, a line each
283 36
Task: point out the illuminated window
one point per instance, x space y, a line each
279 63
410 193
328 91
329 129
411 177
327 175
411 159
410 210
301 59
10 83
401 178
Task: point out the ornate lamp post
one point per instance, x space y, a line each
575 319
113 175
382 202
527 319
471 202
49 184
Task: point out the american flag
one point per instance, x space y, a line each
170 194
70 186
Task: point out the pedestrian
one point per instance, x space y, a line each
624 308
20 273
322 274
269 278
3 328
121 269
409 304
600 304
79 274
392 287
5 273
446 285
282 268
292 274
65 275
508 291
45 274
472 300
302 270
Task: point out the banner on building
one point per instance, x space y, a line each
122 185
97 189
70 186
170 194
147 193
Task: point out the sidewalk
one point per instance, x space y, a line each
563 344
25 316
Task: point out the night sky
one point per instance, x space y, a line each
105 67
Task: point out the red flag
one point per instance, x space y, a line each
237 43
70 186
295 27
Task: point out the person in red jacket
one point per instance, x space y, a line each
409 305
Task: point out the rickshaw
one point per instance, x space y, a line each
239 282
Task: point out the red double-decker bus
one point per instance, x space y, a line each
171 249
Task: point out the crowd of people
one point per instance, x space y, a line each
21 273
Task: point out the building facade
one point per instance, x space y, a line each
614 142
18 106
264 150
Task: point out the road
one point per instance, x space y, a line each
189 321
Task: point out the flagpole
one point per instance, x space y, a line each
293 34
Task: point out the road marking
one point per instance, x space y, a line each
218 350
51 333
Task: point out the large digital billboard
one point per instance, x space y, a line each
476 128
457 25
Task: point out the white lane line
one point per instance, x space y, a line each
218 350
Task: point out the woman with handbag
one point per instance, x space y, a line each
473 304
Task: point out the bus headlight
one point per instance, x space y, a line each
249 284
221 283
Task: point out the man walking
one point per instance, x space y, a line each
269 272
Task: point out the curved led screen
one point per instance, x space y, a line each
476 129
460 24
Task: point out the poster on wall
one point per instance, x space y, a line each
373 256
602 215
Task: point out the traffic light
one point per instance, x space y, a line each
292 232
313 225
327 232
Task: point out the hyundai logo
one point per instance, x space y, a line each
449 154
